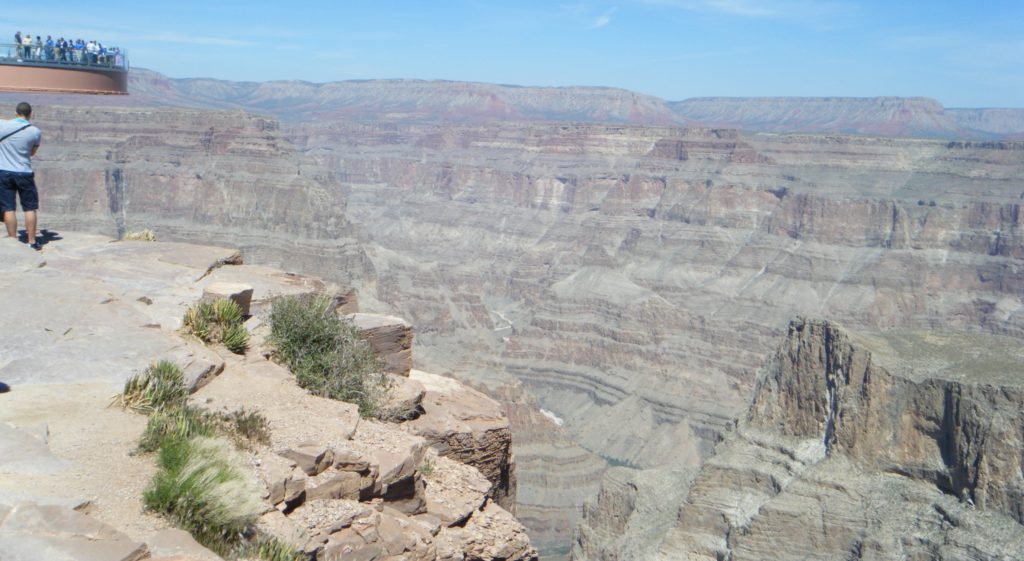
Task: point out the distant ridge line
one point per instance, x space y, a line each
441 101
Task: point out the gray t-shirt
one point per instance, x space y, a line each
16 150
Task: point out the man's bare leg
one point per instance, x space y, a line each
11 222
30 226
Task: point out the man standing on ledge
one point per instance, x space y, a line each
19 141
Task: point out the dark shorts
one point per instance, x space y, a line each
20 185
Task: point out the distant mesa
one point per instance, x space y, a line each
41 69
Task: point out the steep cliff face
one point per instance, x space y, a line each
195 175
902 445
939 407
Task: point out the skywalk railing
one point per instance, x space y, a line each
36 55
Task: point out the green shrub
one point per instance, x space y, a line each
219 321
160 385
326 353
202 486
176 423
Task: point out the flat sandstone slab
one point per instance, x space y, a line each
98 310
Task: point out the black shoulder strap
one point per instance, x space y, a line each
6 136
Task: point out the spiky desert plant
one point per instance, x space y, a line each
160 385
199 321
203 487
236 338
227 312
176 423
219 321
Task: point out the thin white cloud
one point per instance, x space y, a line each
807 11
604 19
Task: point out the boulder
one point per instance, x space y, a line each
237 292
350 460
390 337
310 458
405 399
198 364
335 485
285 483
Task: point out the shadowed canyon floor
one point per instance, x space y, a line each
626 279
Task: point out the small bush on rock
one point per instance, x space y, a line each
326 353
160 385
219 321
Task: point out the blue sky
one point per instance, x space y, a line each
963 53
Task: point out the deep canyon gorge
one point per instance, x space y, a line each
614 268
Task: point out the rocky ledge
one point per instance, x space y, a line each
895 445
88 312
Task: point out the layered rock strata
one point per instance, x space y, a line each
202 176
628 276
899 445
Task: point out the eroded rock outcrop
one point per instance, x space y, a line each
468 426
884 446
335 486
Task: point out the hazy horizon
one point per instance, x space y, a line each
672 49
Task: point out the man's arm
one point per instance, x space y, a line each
35 149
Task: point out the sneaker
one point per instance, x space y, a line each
36 246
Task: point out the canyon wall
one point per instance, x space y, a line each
631 278
614 285
194 175
896 445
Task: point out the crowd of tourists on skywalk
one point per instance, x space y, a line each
65 51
